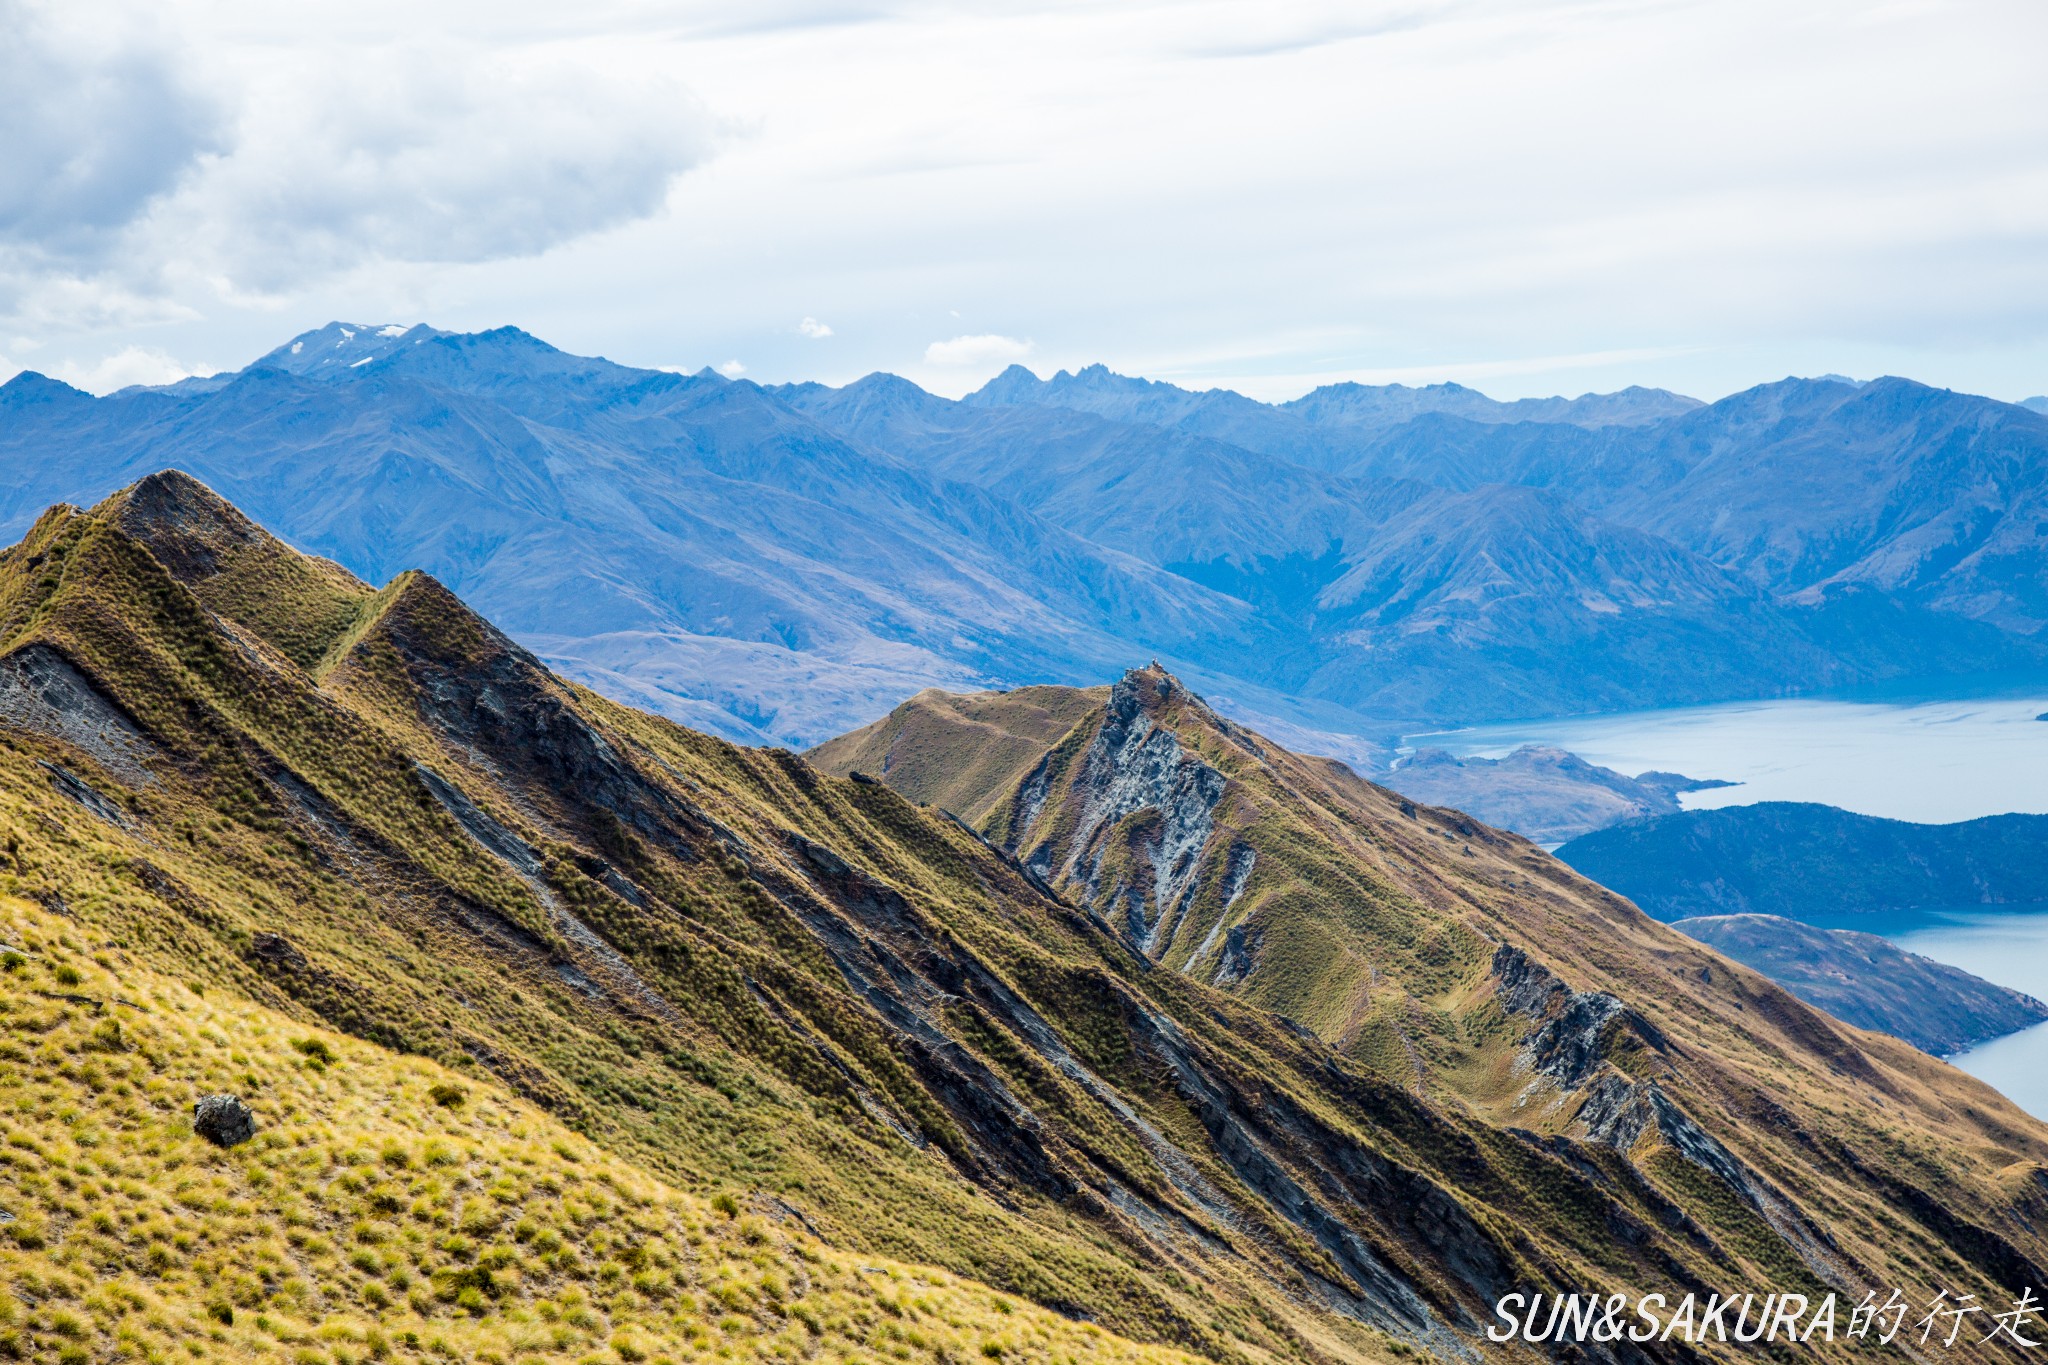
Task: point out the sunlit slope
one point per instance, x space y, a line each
960 753
368 808
716 962
387 1208
1471 969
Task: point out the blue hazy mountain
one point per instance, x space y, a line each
782 564
1324 428
1810 488
684 541
1466 567
1817 864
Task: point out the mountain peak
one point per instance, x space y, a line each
297 603
1155 692
31 388
341 347
1013 386
1151 685
187 525
1099 378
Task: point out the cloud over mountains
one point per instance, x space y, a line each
142 161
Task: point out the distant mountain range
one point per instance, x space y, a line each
1816 864
780 564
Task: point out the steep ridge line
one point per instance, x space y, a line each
1471 968
842 969
827 954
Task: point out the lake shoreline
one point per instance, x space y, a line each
1929 761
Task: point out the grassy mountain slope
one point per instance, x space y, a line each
386 1208
960 753
1482 976
367 808
717 963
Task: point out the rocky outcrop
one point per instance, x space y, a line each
1239 956
525 863
1576 1029
1134 770
74 788
223 1120
1570 1047
43 691
496 707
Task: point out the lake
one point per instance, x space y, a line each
2012 950
1927 759
1932 761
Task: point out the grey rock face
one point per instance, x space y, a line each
223 1120
72 787
1240 954
42 691
1575 1030
1132 766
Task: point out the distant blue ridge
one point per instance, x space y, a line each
780 564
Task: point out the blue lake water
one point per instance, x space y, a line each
1932 760
2012 950
1925 759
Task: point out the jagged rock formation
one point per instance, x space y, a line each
372 809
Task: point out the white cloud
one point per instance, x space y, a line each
433 156
98 119
814 329
130 365
732 369
1709 194
307 157
976 351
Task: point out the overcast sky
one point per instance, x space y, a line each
1527 196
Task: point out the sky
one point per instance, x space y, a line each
1525 196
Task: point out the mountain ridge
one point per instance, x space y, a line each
804 557
1294 884
736 971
